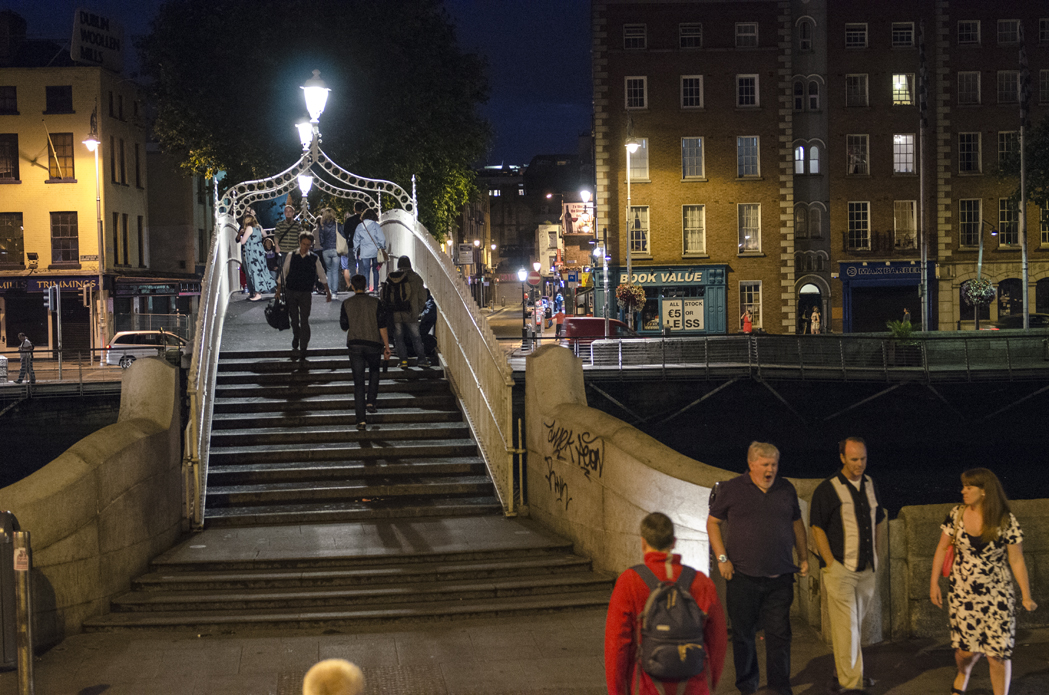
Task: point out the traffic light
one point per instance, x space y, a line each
51 298
85 296
47 299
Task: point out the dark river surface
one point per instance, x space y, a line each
918 441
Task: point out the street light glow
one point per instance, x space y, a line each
316 93
477 242
305 184
92 143
305 129
632 145
536 266
584 195
522 274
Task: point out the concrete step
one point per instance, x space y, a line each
305 405
315 363
346 433
331 470
313 389
273 376
168 578
340 418
343 511
337 490
349 598
370 447
203 621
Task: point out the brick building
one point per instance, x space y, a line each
779 165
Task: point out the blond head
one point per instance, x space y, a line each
333 677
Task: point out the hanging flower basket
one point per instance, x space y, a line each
978 292
630 296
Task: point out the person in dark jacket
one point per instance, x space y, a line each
349 230
25 355
301 270
328 229
364 319
405 296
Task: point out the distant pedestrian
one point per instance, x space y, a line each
349 229
906 316
629 598
367 241
849 527
333 677
748 321
755 558
365 320
253 259
25 357
301 269
269 248
327 231
404 295
559 318
286 232
814 321
987 543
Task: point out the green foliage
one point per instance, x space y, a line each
225 77
901 330
1037 162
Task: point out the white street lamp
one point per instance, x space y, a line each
305 184
316 93
305 129
631 148
93 144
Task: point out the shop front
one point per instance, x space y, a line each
875 292
155 303
22 310
679 300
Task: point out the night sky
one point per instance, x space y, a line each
538 53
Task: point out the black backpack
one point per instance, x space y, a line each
397 295
671 628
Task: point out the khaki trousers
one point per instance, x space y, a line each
849 596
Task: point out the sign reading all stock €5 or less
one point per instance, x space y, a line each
683 314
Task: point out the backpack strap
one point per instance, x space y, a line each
684 580
647 575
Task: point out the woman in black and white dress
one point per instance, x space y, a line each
988 543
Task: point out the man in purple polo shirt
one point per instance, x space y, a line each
756 559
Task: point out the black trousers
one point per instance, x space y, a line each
362 356
764 601
300 304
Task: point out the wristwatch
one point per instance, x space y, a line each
722 559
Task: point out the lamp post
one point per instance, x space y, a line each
631 148
93 143
522 275
603 250
979 268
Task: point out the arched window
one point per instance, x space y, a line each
820 261
815 223
799 159
814 96
814 159
799 96
801 222
805 35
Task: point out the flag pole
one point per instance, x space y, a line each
1025 89
923 105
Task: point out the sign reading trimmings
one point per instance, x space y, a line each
97 40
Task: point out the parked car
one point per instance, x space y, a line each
583 330
1017 321
127 346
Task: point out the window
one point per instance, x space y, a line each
120 106
1043 30
855 90
969 153
1008 86
520 191
123 164
1008 222
138 167
859 226
112 107
690 35
903 90
1044 219
749 228
691 91
906 221
693 228
970 221
799 95
141 244
969 31
815 222
1008 31
494 192
903 154
1008 146
124 237
750 299
635 36
747 90
8 157
799 159
746 34
692 158
1043 86
637 92
968 88
8 100
116 238
59 99
801 221
814 159
639 229
65 239
814 96
747 163
855 36
60 156
856 155
639 161
112 159
11 239
902 34
805 35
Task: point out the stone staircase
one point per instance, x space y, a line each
310 523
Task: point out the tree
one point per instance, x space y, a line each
1037 163
225 74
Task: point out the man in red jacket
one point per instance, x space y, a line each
627 603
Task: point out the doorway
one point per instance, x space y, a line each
809 298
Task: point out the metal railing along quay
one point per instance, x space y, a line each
71 373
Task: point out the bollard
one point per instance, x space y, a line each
8 620
3 369
24 612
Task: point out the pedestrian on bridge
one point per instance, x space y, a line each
367 241
404 295
301 270
287 230
349 230
25 356
365 320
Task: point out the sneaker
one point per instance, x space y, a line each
371 408
425 364
404 364
362 425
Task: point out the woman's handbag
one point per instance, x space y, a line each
381 255
277 310
948 558
341 246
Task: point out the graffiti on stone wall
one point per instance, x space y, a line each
582 449
558 485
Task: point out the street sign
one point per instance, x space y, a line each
92 257
534 278
573 276
466 254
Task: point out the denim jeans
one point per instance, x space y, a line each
412 329
764 601
362 356
369 268
331 268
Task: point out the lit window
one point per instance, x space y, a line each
8 158
749 227
1044 218
747 90
1008 31
635 36
690 35
855 90
906 222
750 299
691 91
639 229
856 155
1008 86
60 157
520 191
969 88
65 239
799 159
1008 222
969 153
814 159
639 161
969 31
855 36
12 240
903 90
969 222
859 226
903 154
805 35
814 96
747 156
692 158
746 35
494 192
902 34
637 92
693 226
